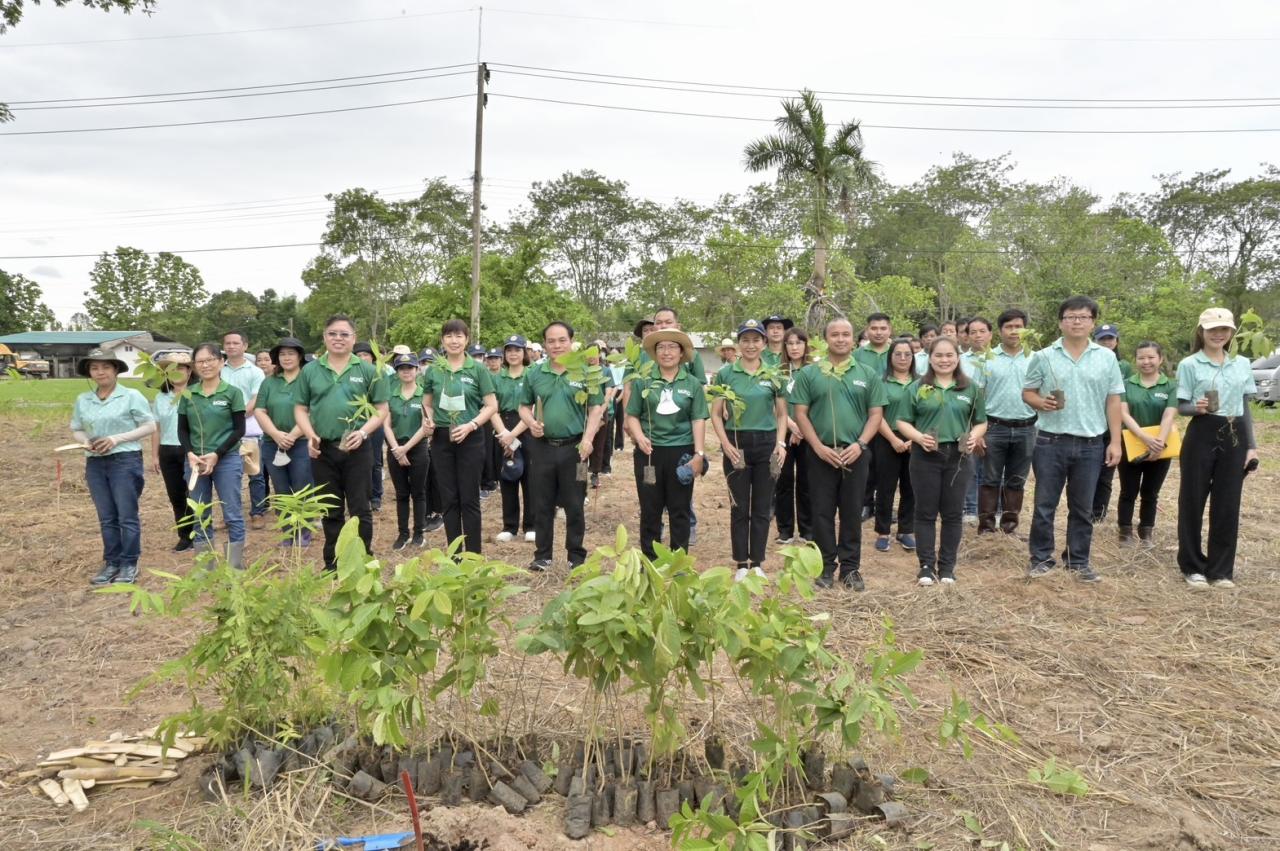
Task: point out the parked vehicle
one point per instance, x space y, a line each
27 367
1266 374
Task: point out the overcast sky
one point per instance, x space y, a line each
262 182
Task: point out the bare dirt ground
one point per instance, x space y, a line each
1167 701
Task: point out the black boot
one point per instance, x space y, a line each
988 498
1146 537
1126 536
1012 508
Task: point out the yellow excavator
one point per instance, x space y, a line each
24 367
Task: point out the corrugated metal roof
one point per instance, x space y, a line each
67 338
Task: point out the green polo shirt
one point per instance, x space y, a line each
124 410
839 406
1002 393
469 383
276 397
875 361
1087 383
895 400
771 358
759 394
945 412
562 415
1126 368
209 416
674 429
1233 380
509 389
406 414
693 367
1147 404
329 395
165 408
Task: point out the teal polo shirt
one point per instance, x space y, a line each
124 410
977 365
1006 375
1087 383
1233 379
165 408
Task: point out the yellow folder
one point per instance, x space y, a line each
1133 447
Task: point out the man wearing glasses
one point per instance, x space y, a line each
1076 386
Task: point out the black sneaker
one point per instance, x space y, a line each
485 494
540 565
126 575
183 545
434 523
926 576
402 541
375 506
595 481
824 581
853 580
105 576
947 576
1086 574
419 540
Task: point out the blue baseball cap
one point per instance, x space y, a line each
751 326
517 341
493 353
404 360
476 350
427 355
1106 331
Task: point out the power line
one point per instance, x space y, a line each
601 18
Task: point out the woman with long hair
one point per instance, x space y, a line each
945 417
892 451
167 457
791 491
285 455
517 511
1150 401
1214 388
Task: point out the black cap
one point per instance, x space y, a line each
287 343
362 348
493 353
404 360
427 355
777 317
516 340
640 326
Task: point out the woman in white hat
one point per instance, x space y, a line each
110 420
168 457
285 455
1219 450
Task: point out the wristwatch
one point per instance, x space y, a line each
862 444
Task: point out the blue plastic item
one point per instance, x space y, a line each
378 842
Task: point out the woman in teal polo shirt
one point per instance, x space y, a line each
753 439
408 453
1150 400
285 455
109 420
168 457
945 417
1213 389
210 425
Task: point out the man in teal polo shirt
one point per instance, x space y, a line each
1076 386
1011 428
245 375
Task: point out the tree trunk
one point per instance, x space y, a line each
816 289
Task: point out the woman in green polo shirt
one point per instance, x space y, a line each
667 421
1150 401
753 440
945 417
285 454
210 425
892 451
458 398
517 510
168 457
108 421
408 453
791 491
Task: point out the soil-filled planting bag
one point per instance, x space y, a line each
506 797
389 765
687 793
451 787
577 814
645 811
844 779
792 840
666 803
625 798
714 750
815 769
565 770
522 785
429 774
601 807
477 784
535 775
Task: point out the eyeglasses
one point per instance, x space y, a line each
338 335
1078 317
668 347
206 361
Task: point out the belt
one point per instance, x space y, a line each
1053 435
562 441
1011 423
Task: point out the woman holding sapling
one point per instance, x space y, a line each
753 441
791 492
285 454
408 453
517 511
210 425
109 421
945 417
1219 450
891 451
168 458
667 419
1150 402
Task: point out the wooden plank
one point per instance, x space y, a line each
141 782
71 786
127 772
54 791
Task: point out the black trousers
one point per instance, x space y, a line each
601 449
791 495
489 477
1102 493
376 443
665 494
172 467
432 492
1145 480
348 476
751 496
411 487
553 484
834 490
516 494
458 468
940 480
1212 466
620 432
892 475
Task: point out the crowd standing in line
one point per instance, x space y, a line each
941 424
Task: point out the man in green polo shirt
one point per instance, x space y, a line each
839 404
331 392
1070 446
1011 428
563 430
875 357
775 335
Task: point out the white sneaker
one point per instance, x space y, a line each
504 537
759 571
530 537
1197 581
740 574
1222 583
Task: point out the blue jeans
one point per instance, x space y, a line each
1064 461
295 475
226 479
115 483
258 485
971 492
1008 458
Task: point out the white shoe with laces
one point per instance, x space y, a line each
740 574
1222 583
759 571
504 537
1197 581
530 537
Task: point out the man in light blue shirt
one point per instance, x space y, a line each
243 374
1011 429
1076 386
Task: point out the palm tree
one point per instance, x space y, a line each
834 167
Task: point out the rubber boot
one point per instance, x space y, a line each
1126 536
1012 508
1146 537
988 499
235 555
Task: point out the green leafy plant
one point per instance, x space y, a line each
579 370
301 511
1059 780
1251 338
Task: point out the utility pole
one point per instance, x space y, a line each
482 76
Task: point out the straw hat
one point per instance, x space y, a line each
673 336
176 358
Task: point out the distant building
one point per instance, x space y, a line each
64 349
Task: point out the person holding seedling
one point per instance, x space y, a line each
508 384
285 454
1076 386
1108 336
340 401
562 408
168 457
791 506
210 427
776 327
892 452
1150 403
435 520
749 415
666 418
945 417
839 405
1011 429
1219 450
408 453
110 421
459 398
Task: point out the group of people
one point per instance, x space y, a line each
816 442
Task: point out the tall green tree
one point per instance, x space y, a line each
20 306
833 168
132 290
263 319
